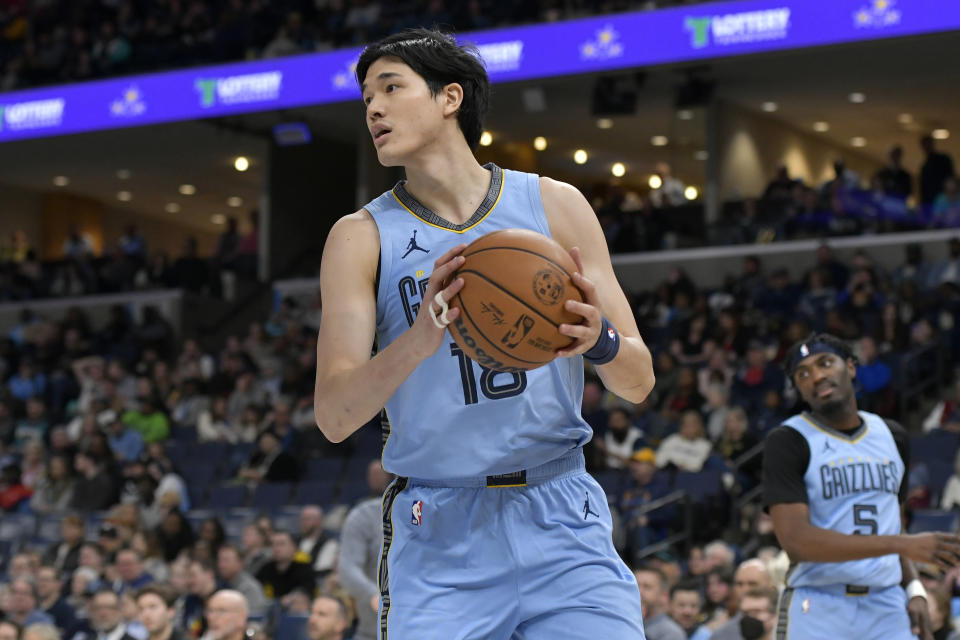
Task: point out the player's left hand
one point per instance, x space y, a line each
586 333
920 618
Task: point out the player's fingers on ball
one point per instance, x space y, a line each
441 272
449 254
588 311
452 289
576 330
577 260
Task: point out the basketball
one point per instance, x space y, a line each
516 284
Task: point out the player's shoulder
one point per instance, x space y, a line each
553 189
353 242
784 439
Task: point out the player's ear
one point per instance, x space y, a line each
852 368
451 97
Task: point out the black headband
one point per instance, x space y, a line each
808 349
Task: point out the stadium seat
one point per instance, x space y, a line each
272 494
939 472
324 469
291 627
934 520
227 496
936 445
49 526
314 493
699 485
611 480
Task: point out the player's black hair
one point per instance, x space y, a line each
439 60
793 357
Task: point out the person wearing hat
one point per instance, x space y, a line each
644 484
835 479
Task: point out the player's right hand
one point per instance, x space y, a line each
429 335
933 547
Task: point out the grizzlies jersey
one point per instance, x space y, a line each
852 482
452 418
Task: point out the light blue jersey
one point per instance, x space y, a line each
852 484
452 418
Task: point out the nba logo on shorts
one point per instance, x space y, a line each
416 515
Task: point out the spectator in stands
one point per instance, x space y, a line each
175 534
935 170
253 542
34 425
9 630
315 543
288 569
189 271
621 440
28 382
227 613
946 208
654 591
94 489
214 425
685 609
156 606
939 606
269 463
148 419
233 576
755 377
644 485
670 192
873 376
106 618
52 602
130 572
894 179
22 603
688 449
39 631
751 574
716 408
737 439
77 245
771 413
328 620
33 463
683 396
14 495
64 555
202 584
126 443
951 492
718 590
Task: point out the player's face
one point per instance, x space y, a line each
402 116
825 381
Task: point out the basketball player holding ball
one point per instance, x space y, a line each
492 530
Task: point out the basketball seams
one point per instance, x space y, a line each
466 315
509 293
530 251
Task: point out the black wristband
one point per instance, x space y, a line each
607 346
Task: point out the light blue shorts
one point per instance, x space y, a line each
815 613
529 562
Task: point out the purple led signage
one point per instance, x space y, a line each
564 48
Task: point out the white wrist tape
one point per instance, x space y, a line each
915 589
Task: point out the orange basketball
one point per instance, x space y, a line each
516 283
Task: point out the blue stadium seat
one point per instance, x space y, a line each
934 520
272 494
353 492
314 493
936 445
611 480
49 526
939 472
700 485
227 496
324 469
291 627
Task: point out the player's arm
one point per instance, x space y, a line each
575 226
351 387
785 459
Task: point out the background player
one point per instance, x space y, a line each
485 535
834 480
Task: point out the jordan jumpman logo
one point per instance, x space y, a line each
586 509
412 245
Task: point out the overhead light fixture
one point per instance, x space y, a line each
539 143
940 134
123 174
580 156
691 193
61 181
188 189
905 118
659 141
218 218
858 141
241 163
655 182
234 201
604 123
486 139
821 126
857 97
685 114
124 196
618 170
172 207
701 155
769 107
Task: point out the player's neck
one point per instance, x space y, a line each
846 419
450 182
